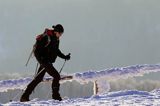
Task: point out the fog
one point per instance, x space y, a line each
99 34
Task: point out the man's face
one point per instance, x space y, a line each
59 34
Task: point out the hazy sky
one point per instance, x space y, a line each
99 34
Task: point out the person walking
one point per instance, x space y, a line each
46 51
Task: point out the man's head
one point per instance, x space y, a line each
58 29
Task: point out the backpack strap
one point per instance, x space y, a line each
49 33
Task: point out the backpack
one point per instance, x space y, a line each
47 33
39 39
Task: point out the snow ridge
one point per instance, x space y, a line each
100 77
124 72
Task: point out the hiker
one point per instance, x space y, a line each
46 51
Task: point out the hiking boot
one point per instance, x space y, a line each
56 97
24 99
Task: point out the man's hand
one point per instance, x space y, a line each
67 57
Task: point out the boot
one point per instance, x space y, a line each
24 98
56 96
55 93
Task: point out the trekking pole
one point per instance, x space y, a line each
36 71
62 67
63 64
30 54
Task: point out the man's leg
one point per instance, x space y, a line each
55 83
31 86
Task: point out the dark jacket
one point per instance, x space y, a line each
47 48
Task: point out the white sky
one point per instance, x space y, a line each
99 33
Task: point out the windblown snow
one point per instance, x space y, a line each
102 96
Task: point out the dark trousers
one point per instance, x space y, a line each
40 74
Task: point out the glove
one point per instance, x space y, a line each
67 57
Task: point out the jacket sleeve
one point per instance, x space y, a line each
60 54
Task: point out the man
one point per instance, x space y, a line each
46 52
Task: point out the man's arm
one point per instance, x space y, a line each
61 55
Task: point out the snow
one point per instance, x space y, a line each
101 87
119 98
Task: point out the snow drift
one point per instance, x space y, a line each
99 78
